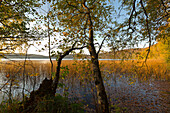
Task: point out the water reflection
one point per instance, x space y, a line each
124 91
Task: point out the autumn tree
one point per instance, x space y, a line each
14 23
82 23
144 21
85 21
60 44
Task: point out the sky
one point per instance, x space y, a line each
35 49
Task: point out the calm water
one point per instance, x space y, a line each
47 59
124 91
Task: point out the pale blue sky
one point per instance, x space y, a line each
34 49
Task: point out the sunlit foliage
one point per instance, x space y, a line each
14 21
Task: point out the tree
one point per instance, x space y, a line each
59 60
88 19
48 21
14 20
145 20
82 22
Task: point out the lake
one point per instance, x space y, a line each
128 92
47 59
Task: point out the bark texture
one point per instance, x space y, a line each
101 93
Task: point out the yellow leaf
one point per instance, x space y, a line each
36 74
131 83
65 34
168 19
7 75
31 75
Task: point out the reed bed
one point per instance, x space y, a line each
152 69
76 79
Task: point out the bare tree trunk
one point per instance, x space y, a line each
57 75
101 93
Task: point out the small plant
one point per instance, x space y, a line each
58 104
118 109
7 107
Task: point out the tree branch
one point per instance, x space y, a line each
57 75
9 37
148 29
71 49
165 8
130 18
74 7
101 44
12 4
8 47
121 8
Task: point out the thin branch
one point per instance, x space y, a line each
9 17
4 24
130 18
159 19
23 93
102 44
49 48
148 29
74 7
8 47
11 47
6 37
165 8
71 49
121 7
10 79
5 84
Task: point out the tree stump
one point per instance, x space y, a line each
45 90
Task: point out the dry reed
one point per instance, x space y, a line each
156 69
